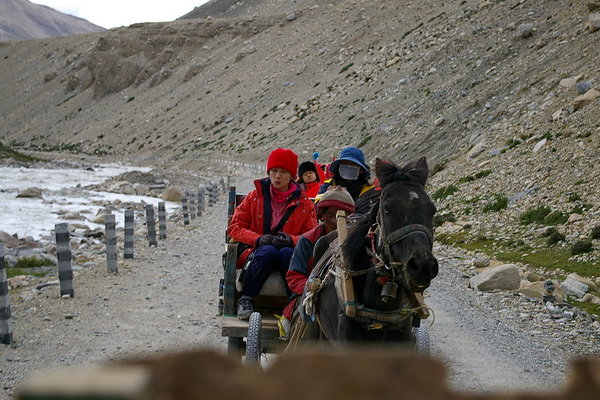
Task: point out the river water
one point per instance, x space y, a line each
63 190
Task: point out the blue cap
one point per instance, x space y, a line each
353 154
316 155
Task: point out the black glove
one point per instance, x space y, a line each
264 240
282 240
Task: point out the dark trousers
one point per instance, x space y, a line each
266 259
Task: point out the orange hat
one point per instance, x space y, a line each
283 158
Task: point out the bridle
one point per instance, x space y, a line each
380 248
389 270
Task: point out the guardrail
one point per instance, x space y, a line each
62 238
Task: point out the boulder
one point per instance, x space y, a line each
532 277
476 150
538 146
585 99
590 298
536 290
569 82
574 288
31 192
594 22
502 277
591 284
172 194
481 262
8 240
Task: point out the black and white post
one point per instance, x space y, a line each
212 194
128 251
111 242
192 205
200 201
184 209
162 220
63 253
6 330
151 222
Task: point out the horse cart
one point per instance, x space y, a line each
385 255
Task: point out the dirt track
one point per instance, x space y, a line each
166 299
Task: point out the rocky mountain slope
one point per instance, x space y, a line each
501 96
21 19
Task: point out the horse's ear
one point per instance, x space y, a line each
385 170
417 170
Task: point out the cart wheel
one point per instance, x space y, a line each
235 347
422 338
253 349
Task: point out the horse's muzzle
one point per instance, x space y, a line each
421 268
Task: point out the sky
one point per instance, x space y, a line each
114 13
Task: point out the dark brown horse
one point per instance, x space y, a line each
387 254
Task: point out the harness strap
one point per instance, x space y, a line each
405 231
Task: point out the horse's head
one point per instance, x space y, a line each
405 222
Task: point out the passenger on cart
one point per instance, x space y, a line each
352 172
269 221
302 262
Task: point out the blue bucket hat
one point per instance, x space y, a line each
353 154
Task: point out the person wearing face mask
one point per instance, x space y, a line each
351 172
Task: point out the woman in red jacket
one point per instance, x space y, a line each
270 220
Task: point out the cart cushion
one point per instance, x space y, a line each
274 286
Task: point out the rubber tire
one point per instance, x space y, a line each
235 347
253 348
422 340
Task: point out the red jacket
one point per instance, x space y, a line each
250 221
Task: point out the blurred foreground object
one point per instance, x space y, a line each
209 375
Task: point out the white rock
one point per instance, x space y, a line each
573 287
503 277
481 261
539 145
476 150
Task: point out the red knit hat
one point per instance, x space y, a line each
336 197
283 158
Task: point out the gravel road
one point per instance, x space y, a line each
166 299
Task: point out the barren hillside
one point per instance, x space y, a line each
487 90
21 19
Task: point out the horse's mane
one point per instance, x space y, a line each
354 248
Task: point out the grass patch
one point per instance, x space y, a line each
574 197
534 215
581 246
440 219
439 167
7 152
590 308
12 272
32 262
25 266
345 68
550 258
364 141
444 192
500 203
